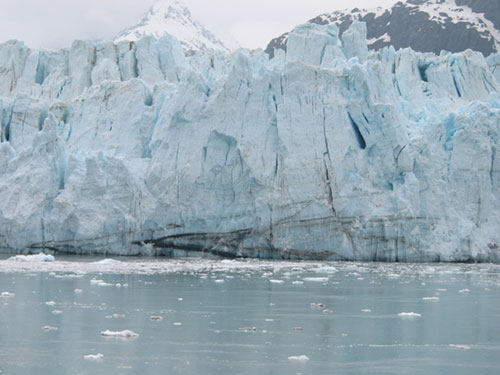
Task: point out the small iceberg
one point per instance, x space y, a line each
107 262
462 347
121 334
100 283
7 295
94 357
49 328
317 279
299 358
37 258
409 315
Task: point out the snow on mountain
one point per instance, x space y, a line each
172 17
423 25
326 151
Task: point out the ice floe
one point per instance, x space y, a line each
299 358
94 357
37 258
120 334
409 315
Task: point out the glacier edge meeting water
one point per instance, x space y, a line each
328 151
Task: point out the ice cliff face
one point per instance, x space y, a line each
326 152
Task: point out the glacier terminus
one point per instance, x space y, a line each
326 151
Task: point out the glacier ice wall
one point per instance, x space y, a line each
326 152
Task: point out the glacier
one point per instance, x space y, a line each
328 151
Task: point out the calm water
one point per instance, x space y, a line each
249 318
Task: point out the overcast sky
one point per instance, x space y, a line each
252 23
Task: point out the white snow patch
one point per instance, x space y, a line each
386 38
276 281
7 295
430 298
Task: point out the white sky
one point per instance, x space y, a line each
252 23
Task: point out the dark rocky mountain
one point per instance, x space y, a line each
423 25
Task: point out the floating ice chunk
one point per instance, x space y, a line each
317 304
219 281
124 334
57 312
409 315
78 291
249 329
326 269
316 279
100 282
298 283
463 291
393 276
37 258
276 281
178 324
7 295
49 328
227 262
50 303
115 316
94 357
430 298
366 311
463 347
299 358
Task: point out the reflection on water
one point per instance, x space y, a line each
227 317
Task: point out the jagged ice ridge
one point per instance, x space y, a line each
329 151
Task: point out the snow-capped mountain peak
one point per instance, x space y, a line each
423 25
173 17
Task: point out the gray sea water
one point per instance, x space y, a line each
249 317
